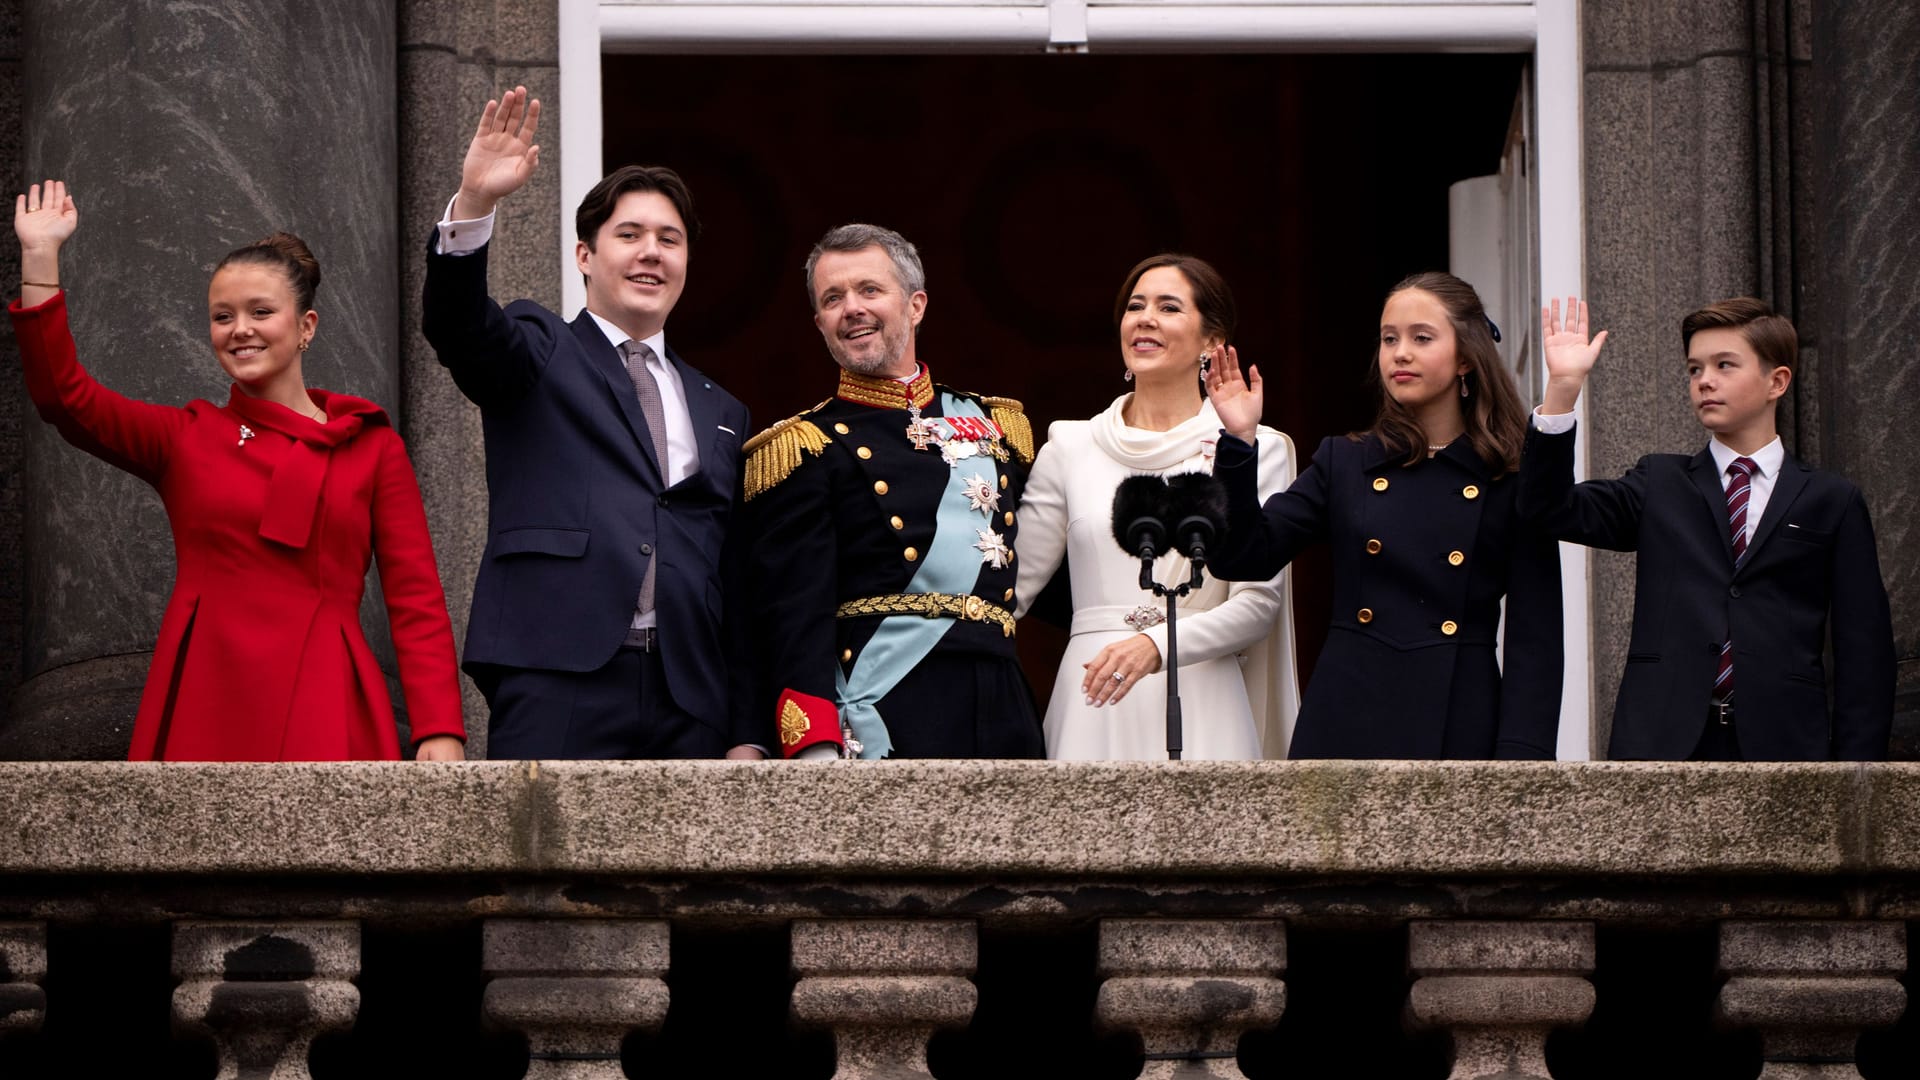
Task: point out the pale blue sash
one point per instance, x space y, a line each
951 564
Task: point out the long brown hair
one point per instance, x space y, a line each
1496 422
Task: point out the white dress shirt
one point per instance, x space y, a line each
683 451
1768 460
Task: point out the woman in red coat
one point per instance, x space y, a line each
277 500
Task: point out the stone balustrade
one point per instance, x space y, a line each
574 919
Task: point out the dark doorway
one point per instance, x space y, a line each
1031 184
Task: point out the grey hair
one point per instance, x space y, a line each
858 237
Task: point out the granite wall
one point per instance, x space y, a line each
453 57
1867 170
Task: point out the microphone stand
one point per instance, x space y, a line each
1173 594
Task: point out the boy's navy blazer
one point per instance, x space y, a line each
577 505
1810 567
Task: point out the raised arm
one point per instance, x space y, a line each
128 434
493 356
1569 354
43 219
502 156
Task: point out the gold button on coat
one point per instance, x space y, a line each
1379 483
842 429
1471 491
846 655
912 554
1365 615
1003 483
1009 517
864 453
879 487
1373 547
1455 558
896 522
1009 595
1449 628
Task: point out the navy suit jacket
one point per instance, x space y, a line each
1810 567
577 505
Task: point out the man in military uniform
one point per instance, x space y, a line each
883 522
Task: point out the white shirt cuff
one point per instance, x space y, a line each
463 237
820 751
1553 423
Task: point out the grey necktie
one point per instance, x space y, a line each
636 355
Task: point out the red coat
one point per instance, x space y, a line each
260 655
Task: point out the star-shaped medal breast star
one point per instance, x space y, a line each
980 494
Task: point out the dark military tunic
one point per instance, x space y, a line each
841 508
1422 556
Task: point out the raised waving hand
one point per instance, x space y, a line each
1569 354
1238 400
501 157
43 218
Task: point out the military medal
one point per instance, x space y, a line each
980 495
993 549
920 431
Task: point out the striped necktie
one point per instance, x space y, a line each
1739 493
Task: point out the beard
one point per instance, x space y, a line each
873 362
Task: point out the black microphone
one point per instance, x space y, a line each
1140 514
1200 502
1141 510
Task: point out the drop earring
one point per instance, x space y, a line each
1463 385
1127 375
1206 363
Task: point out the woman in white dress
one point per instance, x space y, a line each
1238 690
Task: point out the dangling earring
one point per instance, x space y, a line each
1463 384
1206 364
1127 375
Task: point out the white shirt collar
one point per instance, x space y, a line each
618 337
1768 458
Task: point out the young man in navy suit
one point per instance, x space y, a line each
613 475
1749 559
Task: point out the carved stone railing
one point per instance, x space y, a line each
886 885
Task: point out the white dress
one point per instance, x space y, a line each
1238 689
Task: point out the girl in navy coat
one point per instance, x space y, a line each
1419 511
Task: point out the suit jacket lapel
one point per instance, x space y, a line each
607 359
1706 478
703 410
1786 488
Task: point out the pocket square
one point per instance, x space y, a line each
726 429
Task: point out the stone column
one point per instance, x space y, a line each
1191 988
453 57
262 991
1810 988
883 986
23 967
1499 988
575 988
1866 77
184 131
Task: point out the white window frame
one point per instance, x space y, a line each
1550 29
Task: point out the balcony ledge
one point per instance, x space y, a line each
932 820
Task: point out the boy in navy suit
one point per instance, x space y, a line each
613 475
1748 559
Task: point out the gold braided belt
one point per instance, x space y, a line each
931 606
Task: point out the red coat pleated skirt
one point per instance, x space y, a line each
260 655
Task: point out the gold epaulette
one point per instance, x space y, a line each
773 454
1012 418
